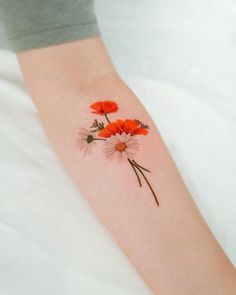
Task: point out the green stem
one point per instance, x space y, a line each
136 164
148 183
132 165
99 138
105 114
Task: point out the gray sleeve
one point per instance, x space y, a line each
39 23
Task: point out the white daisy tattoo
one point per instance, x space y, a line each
121 146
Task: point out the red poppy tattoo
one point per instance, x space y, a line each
119 137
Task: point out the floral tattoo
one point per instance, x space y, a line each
119 137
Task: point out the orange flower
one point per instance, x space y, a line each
104 107
128 126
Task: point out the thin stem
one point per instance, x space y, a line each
99 138
148 183
132 165
136 164
105 114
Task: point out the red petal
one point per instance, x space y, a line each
97 107
105 133
109 106
141 131
113 128
130 126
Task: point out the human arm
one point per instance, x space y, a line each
170 244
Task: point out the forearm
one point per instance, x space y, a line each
156 224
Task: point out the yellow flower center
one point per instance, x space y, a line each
120 147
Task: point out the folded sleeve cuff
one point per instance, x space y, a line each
33 24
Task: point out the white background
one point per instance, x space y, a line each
179 58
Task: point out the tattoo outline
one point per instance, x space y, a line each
119 138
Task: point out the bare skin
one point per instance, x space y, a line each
170 245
